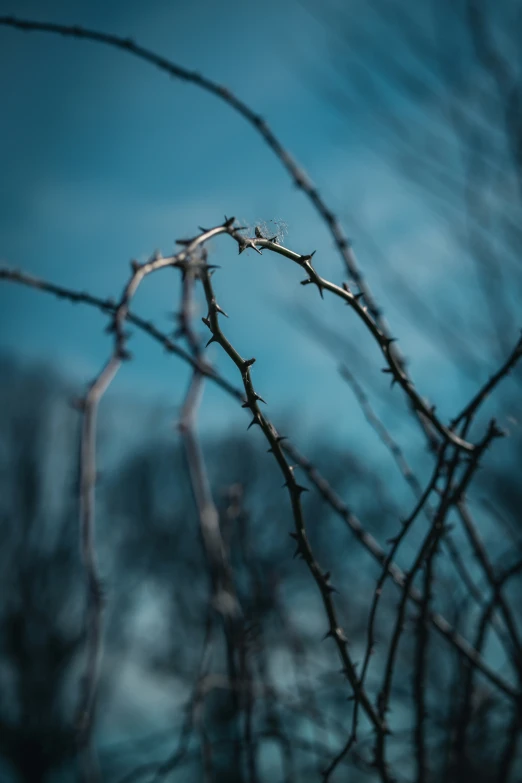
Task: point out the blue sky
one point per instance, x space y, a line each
105 159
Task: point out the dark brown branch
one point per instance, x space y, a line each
298 175
320 483
295 491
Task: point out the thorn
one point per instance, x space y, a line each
219 310
184 241
135 266
387 370
258 397
229 222
206 321
213 339
248 363
123 355
245 243
300 489
255 420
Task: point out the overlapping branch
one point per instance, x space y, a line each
441 625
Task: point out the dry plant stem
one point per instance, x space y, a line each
295 491
485 620
225 599
451 496
94 630
140 271
272 703
443 627
515 651
420 676
123 309
470 410
447 542
424 614
370 644
405 469
383 340
109 306
298 175
85 716
482 558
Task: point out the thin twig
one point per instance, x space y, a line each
95 600
298 175
327 492
295 491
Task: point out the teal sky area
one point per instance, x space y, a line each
104 159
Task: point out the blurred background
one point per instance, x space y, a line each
408 118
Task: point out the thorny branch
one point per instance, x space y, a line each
441 625
295 491
456 471
299 176
95 599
